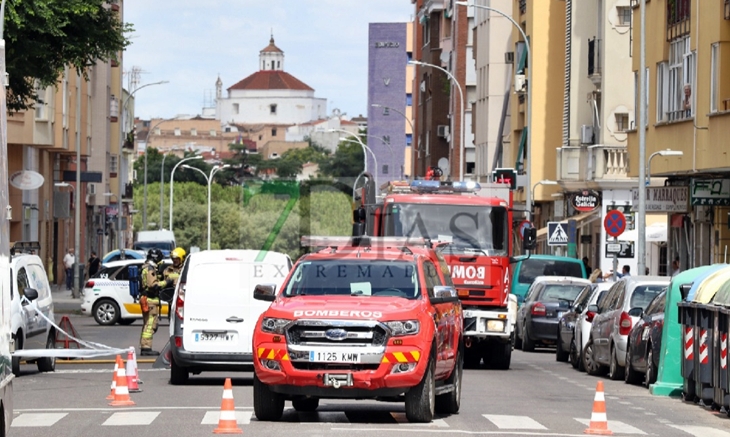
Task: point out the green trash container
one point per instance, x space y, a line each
722 300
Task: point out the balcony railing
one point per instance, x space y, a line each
594 57
593 163
678 18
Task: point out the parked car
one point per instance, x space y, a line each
582 329
28 329
526 270
565 346
214 312
616 314
116 255
106 295
645 342
546 301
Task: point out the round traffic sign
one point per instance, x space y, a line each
614 223
525 224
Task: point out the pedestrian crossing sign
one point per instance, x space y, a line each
556 234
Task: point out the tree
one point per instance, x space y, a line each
43 37
346 162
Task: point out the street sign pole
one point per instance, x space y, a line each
615 261
572 239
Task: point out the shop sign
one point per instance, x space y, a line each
26 180
586 201
715 192
664 199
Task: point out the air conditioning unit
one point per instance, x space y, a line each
586 134
92 189
442 131
520 83
509 57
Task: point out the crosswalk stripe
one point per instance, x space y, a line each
616 426
402 420
37 419
513 422
212 417
701 431
131 418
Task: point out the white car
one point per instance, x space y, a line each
106 296
583 328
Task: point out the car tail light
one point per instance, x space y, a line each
180 302
178 341
589 316
89 284
624 323
538 310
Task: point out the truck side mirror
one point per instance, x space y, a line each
529 240
359 216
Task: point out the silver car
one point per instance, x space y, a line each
616 314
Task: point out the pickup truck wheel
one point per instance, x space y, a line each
449 403
305 405
178 375
420 400
267 405
48 364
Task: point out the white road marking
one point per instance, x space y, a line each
616 426
402 420
37 410
701 431
211 417
131 418
37 419
513 422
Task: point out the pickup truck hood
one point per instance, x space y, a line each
345 307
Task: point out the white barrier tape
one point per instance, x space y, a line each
93 350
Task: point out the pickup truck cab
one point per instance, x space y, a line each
368 318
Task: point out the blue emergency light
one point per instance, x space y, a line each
425 186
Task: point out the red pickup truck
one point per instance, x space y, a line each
368 318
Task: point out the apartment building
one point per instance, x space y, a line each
688 75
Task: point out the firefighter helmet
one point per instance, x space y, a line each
178 253
155 255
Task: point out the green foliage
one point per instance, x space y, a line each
43 37
244 217
346 162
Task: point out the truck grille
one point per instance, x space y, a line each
336 333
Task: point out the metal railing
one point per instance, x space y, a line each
594 56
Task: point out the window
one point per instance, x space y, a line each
680 89
112 163
662 91
714 75
213 133
193 131
235 108
624 15
273 132
177 131
385 169
409 99
157 131
432 277
426 27
278 64
40 104
273 109
409 139
622 122
22 283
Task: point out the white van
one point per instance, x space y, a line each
162 239
213 312
29 330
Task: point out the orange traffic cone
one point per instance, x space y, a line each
227 423
114 380
136 369
121 392
131 373
599 421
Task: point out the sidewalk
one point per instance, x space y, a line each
63 302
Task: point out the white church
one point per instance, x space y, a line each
271 96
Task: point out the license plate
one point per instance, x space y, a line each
221 337
334 357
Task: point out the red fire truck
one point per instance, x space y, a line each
473 233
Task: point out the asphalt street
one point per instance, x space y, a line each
536 397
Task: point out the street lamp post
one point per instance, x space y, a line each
77 230
667 152
410 123
463 106
172 180
528 166
543 182
208 179
377 186
122 134
146 147
357 137
162 187
392 155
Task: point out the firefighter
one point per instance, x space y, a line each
173 272
150 300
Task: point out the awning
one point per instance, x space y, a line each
654 233
582 219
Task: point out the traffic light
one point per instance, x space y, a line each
505 176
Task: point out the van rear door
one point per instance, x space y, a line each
217 300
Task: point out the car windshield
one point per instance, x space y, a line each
480 229
354 278
560 292
644 294
147 245
533 267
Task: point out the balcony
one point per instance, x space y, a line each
594 60
599 166
678 18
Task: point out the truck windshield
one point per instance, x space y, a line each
354 278
480 229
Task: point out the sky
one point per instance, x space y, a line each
190 42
